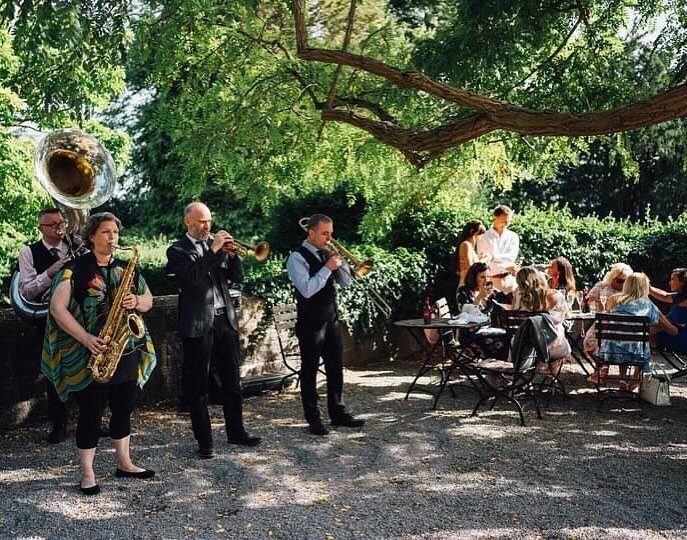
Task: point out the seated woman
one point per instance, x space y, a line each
634 300
677 314
611 284
479 291
82 296
561 275
466 255
534 294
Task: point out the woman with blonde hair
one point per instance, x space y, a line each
610 285
634 300
533 294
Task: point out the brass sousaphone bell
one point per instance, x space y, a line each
79 174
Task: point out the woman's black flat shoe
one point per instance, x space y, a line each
92 490
143 475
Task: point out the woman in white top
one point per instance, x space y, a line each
611 284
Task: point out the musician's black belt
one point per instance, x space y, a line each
220 311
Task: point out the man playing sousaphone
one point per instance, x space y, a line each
38 264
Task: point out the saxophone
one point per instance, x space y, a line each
119 328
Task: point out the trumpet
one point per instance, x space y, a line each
360 269
259 251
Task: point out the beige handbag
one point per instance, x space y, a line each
656 390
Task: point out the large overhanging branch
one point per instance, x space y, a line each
490 114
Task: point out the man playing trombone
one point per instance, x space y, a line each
208 324
313 271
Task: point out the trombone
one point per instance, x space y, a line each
259 251
360 270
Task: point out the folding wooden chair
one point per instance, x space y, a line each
623 342
507 380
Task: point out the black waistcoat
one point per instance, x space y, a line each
321 306
42 258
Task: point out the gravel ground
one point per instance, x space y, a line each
410 472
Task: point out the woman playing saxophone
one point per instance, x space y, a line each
82 296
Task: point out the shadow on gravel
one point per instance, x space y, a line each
409 472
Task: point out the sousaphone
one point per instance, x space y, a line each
79 174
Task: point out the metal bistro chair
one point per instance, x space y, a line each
438 355
285 317
507 380
677 361
624 331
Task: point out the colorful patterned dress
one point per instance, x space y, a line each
64 360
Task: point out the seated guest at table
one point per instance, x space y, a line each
478 290
561 275
466 255
678 312
611 284
534 294
634 300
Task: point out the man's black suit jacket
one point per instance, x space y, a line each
196 300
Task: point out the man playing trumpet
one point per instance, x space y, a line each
313 271
208 324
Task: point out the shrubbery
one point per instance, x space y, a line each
419 251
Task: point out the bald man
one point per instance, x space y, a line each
204 267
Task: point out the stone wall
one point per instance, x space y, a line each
22 385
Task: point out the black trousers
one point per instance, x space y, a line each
92 400
321 339
220 345
57 409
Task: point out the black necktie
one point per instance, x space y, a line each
203 246
323 255
55 253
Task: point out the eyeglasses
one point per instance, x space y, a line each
53 225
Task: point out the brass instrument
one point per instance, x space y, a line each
120 326
259 251
79 174
360 269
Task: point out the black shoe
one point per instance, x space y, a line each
104 431
58 433
245 440
347 420
205 452
318 429
93 490
143 475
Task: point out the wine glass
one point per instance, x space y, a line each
602 301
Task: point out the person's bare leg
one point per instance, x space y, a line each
86 457
124 462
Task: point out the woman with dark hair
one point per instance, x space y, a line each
466 255
81 298
478 290
677 314
560 272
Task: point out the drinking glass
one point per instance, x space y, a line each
602 300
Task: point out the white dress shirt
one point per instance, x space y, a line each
32 284
202 247
502 248
299 273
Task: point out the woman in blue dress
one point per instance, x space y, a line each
677 314
634 300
